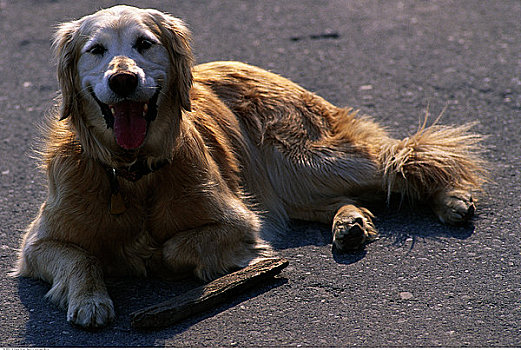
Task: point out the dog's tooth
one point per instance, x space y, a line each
145 109
112 110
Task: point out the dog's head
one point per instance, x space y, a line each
117 68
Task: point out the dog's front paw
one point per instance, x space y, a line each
352 227
92 311
454 207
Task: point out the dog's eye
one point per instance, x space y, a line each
97 49
143 44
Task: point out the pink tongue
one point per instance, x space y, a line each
130 128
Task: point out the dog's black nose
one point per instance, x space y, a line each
123 83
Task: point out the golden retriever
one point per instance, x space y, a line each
156 166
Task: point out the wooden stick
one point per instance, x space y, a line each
205 297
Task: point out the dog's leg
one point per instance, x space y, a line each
211 251
439 164
76 278
352 225
218 248
453 207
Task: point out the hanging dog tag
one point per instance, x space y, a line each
117 205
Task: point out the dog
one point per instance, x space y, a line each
155 165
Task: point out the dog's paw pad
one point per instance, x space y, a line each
91 312
351 231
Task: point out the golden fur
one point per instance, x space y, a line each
245 150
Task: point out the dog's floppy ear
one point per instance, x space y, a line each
175 36
66 56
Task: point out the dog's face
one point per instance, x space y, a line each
123 68
117 68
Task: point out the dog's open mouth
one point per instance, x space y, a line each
129 119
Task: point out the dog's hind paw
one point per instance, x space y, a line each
91 312
352 227
454 207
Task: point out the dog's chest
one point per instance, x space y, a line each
128 242
159 209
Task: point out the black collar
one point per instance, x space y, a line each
139 169
132 173
136 171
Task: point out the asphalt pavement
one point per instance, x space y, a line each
421 284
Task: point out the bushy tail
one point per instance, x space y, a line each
434 158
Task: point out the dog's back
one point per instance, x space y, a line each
300 149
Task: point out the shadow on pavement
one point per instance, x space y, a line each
400 227
348 258
398 222
47 325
